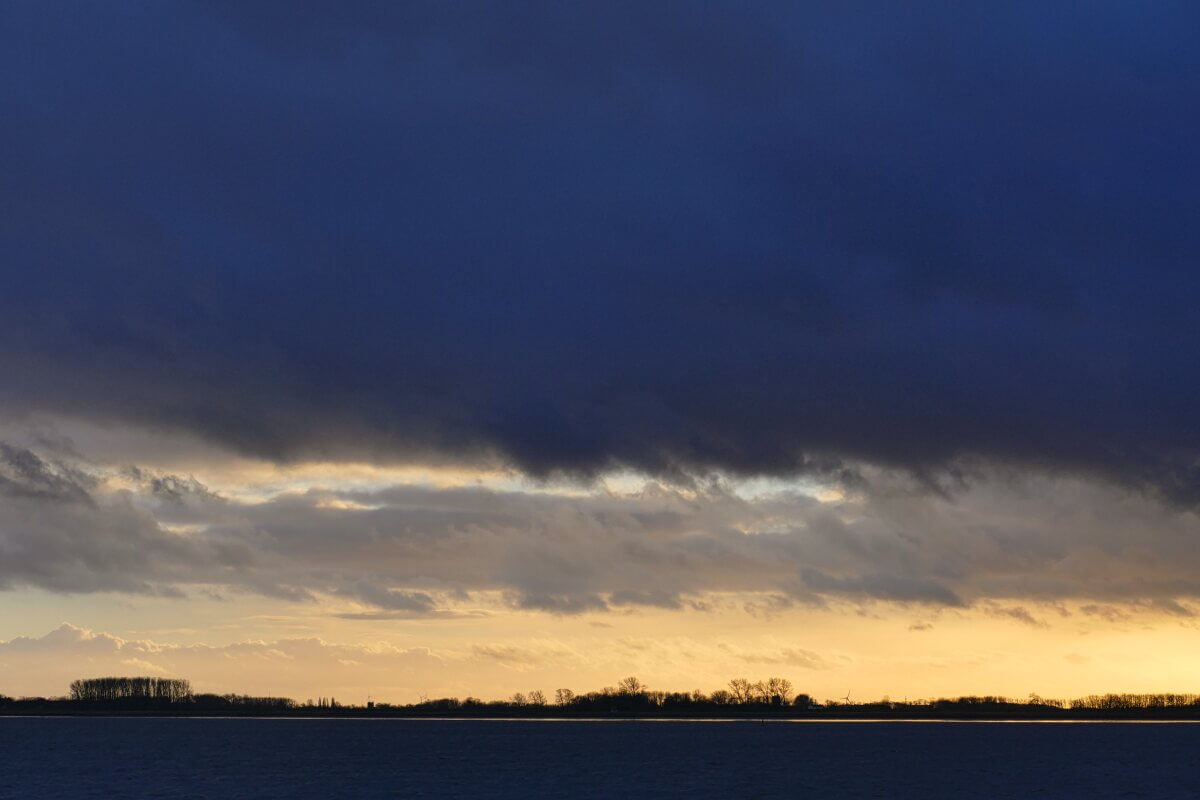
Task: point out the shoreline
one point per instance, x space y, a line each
1138 716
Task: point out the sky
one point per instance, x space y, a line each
426 349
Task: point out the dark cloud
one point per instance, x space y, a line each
573 235
1019 613
1172 607
392 599
24 474
565 603
55 535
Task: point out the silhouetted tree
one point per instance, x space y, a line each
741 691
629 696
169 690
778 691
803 701
1122 702
1037 700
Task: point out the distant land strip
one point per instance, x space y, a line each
774 699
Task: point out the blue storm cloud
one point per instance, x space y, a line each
672 236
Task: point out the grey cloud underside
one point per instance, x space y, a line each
409 551
568 236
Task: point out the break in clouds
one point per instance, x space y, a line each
414 551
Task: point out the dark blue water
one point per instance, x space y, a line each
235 758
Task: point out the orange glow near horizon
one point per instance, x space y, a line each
874 652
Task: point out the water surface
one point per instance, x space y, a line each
303 758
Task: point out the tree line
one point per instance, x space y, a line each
146 691
739 697
170 690
776 695
1112 702
631 695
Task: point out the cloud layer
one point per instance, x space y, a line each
573 236
411 551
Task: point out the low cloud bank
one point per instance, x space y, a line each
410 551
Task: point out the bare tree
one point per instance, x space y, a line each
630 685
536 698
741 691
563 697
517 699
778 691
